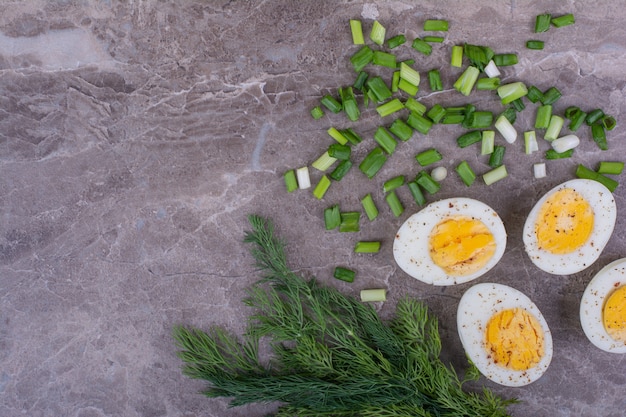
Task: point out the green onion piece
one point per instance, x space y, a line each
394 203
317 112
384 59
361 58
393 183
544 114
370 207
419 123
417 194
552 154
401 130
367 247
373 162
510 114
495 174
436 113
534 94
610 167
571 112
497 156
359 82
303 177
534 44
407 87
456 59
551 95
599 136
530 142
586 173
396 41
341 170
385 140
331 103
324 162
429 156
518 105
469 138
479 56
491 70
502 60
351 136
415 106
337 135
344 274
339 151
466 81
350 221
564 20
395 81
539 170
291 183
409 74
332 217
378 88
511 92
542 22
374 295
487 142
554 128
478 120
594 116
488 83
424 180
356 28
609 122
434 79
433 39
577 120
466 173
321 187
389 107
349 103
435 25
421 46
454 115
377 35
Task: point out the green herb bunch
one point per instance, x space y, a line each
332 354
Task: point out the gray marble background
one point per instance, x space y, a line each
135 138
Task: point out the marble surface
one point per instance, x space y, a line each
135 138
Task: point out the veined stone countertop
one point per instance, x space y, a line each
136 138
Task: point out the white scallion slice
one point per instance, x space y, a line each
491 70
506 129
565 143
539 170
304 180
439 173
530 142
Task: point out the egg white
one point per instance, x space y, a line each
605 213
411 244
477 306
599 288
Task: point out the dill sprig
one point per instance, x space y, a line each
332 354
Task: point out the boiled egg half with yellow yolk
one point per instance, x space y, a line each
504 334
450 241
603 308
568 228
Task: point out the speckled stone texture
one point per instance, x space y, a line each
136 137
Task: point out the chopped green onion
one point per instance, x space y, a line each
378 87
534 94
487 142
332 217
503 60
599 136
479 56
317 112
539 170
409 74
291 183
421 46
415 106
530 142
435 25
429 156
357 32
518 105
466 173
373 162
534 44
361 58
339 151
554 128
424 180
390 107
359 82
466 81
367 247
304 180
384 59
396 41
377 35
510 114
344 274
506 129
609 122
385 140
544 114
495 174
341 170
419 123
434 79
395 81
393 183
454 115
407 87
610 167
576 120
439 174
369 206
337 135
478 120
374 295
394 203
564 20
510 92
565 143
488 83
497 156
586 173
331 103
436 113
321 187
469 138
594 116
433 39
324 162
351 136
417 194
456 59
542 22
552 154
350 221
401 130
551 95
349 103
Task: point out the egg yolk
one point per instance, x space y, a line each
514 339
614 314
564 223
461 245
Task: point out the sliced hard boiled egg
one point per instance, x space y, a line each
603 308
504 334
450 241
568 228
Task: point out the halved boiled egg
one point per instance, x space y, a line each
504 334
569 226
450 241
603 308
